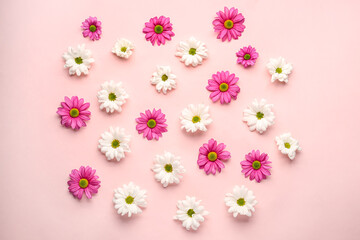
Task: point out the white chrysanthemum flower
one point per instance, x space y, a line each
259 116
190 213
78 60
129 199
123 48
240 201
114 143
288 145
192 52
195 117
279 69
168 169
163 79
112 96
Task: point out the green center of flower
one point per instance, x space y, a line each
112 96
78 60
83 183
168 168
192 51
92 28
151 123
247 56
241 202
228 24
115 143
123 49
74 112
190 212
158 29
224 87
129 199
164 77
196 119
212 156
256 165
278 70
287 145
259 115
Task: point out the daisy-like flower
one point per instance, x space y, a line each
259 116
151 124
112 96
223 86
74 112
91 28
168 169
247 56
158 30
164 79
195 117
78 60
83 181
240 201
123 48
256 166
288 145
211 156
190 212
229 24
129 199
192 52
279 69
114 143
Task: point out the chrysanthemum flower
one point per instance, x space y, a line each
83 181
240 201
112 96
74 112
114 143
279 69
168 169
191 52
123 48
195 117
288 145
229 24
78 60
259 116
163 79
158 30
151 124
91 28
256 166
223 86
247 56
129 199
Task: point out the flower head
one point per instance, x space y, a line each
191 52
91 28
78 60
151 124
240 201
279 69
247 56
112 96
129 199
229 24
195 117
83 181
114 143
163 79
259 116
74 112
123 48
211 156
288 145
158 30
223 86
168 169
256 166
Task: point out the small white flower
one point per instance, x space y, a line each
195 117
114 143
279 69
163 79
78 60
123 48
190 213
259 116
192 52
129 199
240 201
288 145
168 169
112 96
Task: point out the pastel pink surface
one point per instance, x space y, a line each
316 196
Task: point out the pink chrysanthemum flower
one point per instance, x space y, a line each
247 56
223 86
211 156
229 24
91 28
83 180
74 112
256 166
151 124
158 30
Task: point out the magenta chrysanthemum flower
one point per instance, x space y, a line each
151 124
91 28
211 156
158 30
247 56
229 24
83 180
256 166
74 112
223 86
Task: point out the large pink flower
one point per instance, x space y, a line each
211 156
151 124
229 24
223 86
91 28
74 112
256 166
83 180
247 56
158 30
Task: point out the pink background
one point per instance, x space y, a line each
314 197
